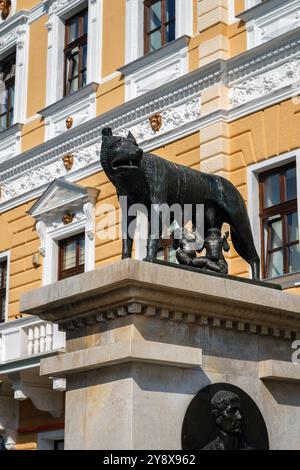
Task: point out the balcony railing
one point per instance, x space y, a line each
28 337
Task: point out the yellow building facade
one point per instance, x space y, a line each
224 78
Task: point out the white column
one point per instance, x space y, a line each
21 81
134 42
95 30
49 337
184 18
298 185
9 419
251 3
55 59
89 212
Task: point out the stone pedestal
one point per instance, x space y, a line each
143 339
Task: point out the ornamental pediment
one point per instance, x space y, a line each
61 195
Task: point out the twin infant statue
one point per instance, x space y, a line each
214 244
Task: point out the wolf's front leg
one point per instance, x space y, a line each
128 231
152 249
127 248
155 231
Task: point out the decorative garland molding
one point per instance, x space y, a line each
265 83
181 105
12 31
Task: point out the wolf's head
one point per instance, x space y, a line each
119 153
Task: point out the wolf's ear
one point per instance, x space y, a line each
131 137
107 132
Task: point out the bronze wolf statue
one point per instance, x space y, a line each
152 181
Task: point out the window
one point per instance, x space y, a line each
7 91
71 256
76 52
3 284
159 24
51 440
279 221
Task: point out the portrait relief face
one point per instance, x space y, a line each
230 419
69 122
5 8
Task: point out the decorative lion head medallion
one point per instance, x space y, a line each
69 122
5 6
68 218
68 161
156 122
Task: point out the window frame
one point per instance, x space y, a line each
9 84
163 27
3 289
80 42
5 257
79 268
281 210
166 246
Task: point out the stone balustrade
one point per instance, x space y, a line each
28 337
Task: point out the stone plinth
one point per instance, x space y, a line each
143 339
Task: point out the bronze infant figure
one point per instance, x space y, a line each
214 244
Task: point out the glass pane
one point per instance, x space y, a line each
291 184
3 122
73 63
11 117
84 57
69 260
170 32
2 308
294 258
73 29
9 70
74 85
274 233
170 10
83 80
3 103
275 264
4 275
293 228
85 22
11 92
155 41
81 251
155 15
272 190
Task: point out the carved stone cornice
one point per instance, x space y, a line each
58 6
264 57
12 31
132 287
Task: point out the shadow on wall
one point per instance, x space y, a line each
287 394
